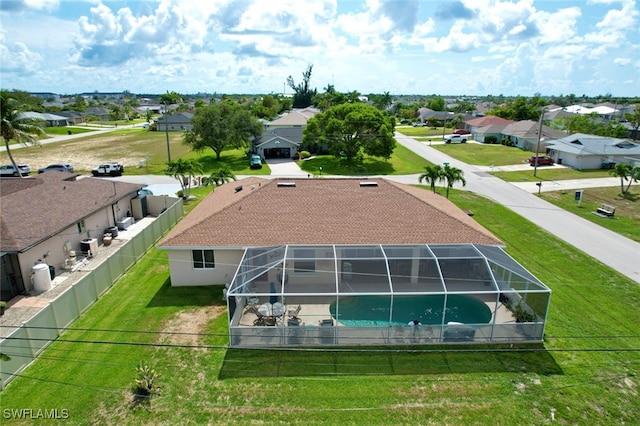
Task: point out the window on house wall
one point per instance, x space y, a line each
203 259
81 227
304 261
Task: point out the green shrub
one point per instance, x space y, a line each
491 139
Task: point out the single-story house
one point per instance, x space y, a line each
52 120
278 142
524 134
101 113
73 117
50 217
584 152
283 136
326 248
490 125
180 121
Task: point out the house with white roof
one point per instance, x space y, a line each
584 152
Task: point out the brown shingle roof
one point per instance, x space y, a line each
324 211
34 208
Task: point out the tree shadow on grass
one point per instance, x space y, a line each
187 296
255 363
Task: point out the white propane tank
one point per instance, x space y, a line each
41 277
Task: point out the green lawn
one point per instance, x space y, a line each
550 174
626 221
402 162
436 133
586 372
485 154
58 131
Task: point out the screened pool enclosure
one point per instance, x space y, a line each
351 295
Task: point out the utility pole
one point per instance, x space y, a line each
535 162
166 130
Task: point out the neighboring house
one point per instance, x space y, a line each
524 134
52 120
295 118
179 121
101 113
317 243
283 136
585 152
424 114
47 216
279 142
490 125
73 117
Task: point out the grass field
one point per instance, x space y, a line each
402 162
586 372
550 174
626 221
485 154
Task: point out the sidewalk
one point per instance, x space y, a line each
610 248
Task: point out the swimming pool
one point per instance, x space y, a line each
362 311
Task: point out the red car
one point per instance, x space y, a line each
543 160
461 132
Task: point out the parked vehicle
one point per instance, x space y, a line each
543 160
418 124
61 167
255 162
461 132
455 139
108 169
9 170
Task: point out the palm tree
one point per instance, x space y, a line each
15 126
453 175
183 171
432 175
621 170
220 176
634 176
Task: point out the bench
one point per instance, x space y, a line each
606 210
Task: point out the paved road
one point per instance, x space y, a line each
614 250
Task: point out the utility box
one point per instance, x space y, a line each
139 206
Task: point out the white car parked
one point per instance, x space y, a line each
456 139
9 170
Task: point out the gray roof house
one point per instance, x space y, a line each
283 136
48 216
524 134
583 152
319 262
100 112
179 121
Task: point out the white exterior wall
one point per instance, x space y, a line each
183 273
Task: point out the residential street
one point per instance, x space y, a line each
614 250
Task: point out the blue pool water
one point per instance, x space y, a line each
362 311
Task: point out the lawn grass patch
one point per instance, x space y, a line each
550 174
485 154
626 221
586 372
402 162
424 131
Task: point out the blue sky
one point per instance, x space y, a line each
466 47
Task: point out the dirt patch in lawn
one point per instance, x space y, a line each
186 328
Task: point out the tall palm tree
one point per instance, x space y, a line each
183 171
15 126
453 175
621 170
432 175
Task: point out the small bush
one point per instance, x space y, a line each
304 154
491 139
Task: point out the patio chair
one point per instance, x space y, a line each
293 313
